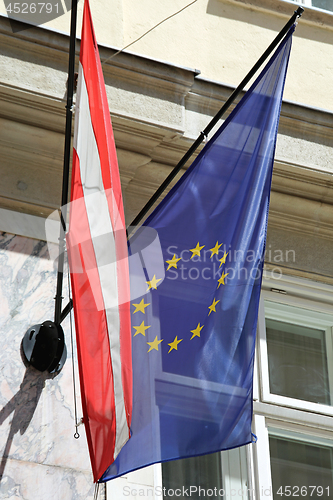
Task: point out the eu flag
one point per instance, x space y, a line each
196 267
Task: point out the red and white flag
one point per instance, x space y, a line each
97 250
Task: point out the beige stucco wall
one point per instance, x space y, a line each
221 38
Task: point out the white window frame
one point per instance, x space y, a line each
308 4
236 473
262 462
296 292
256 376
265 427
275 430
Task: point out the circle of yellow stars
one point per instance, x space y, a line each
153 283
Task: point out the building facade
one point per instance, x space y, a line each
162 92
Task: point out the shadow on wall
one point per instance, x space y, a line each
23 405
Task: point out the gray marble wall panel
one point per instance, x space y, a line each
39 457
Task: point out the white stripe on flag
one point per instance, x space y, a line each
105 250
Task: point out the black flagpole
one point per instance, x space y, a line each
61 316
213 122
43 345
67 156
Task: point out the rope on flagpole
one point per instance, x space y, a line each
96 491
76 433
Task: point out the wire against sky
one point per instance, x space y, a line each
146 33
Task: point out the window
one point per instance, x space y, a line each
294 404
298 463
318 4
323 4
297 355
195 472
219 475
296 351
295 463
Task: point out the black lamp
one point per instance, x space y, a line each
44 347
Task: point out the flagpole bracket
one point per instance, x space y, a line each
66 310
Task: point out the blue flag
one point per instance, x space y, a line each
196 268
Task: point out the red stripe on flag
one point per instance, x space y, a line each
103 336
108 157
96 376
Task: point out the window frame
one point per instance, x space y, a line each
236 473
308 4
317 312
266 426
313 13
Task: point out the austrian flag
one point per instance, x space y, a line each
97 250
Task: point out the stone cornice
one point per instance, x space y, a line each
302 182
308 123
132 74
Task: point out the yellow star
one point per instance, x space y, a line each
154 344
222 261
212 307
140 307
196 331
196 250
221 280
153 283
141 329
215 250
174 344
173 262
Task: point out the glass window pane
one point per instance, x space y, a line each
297 463
297 362
219 475
203 471
323 4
